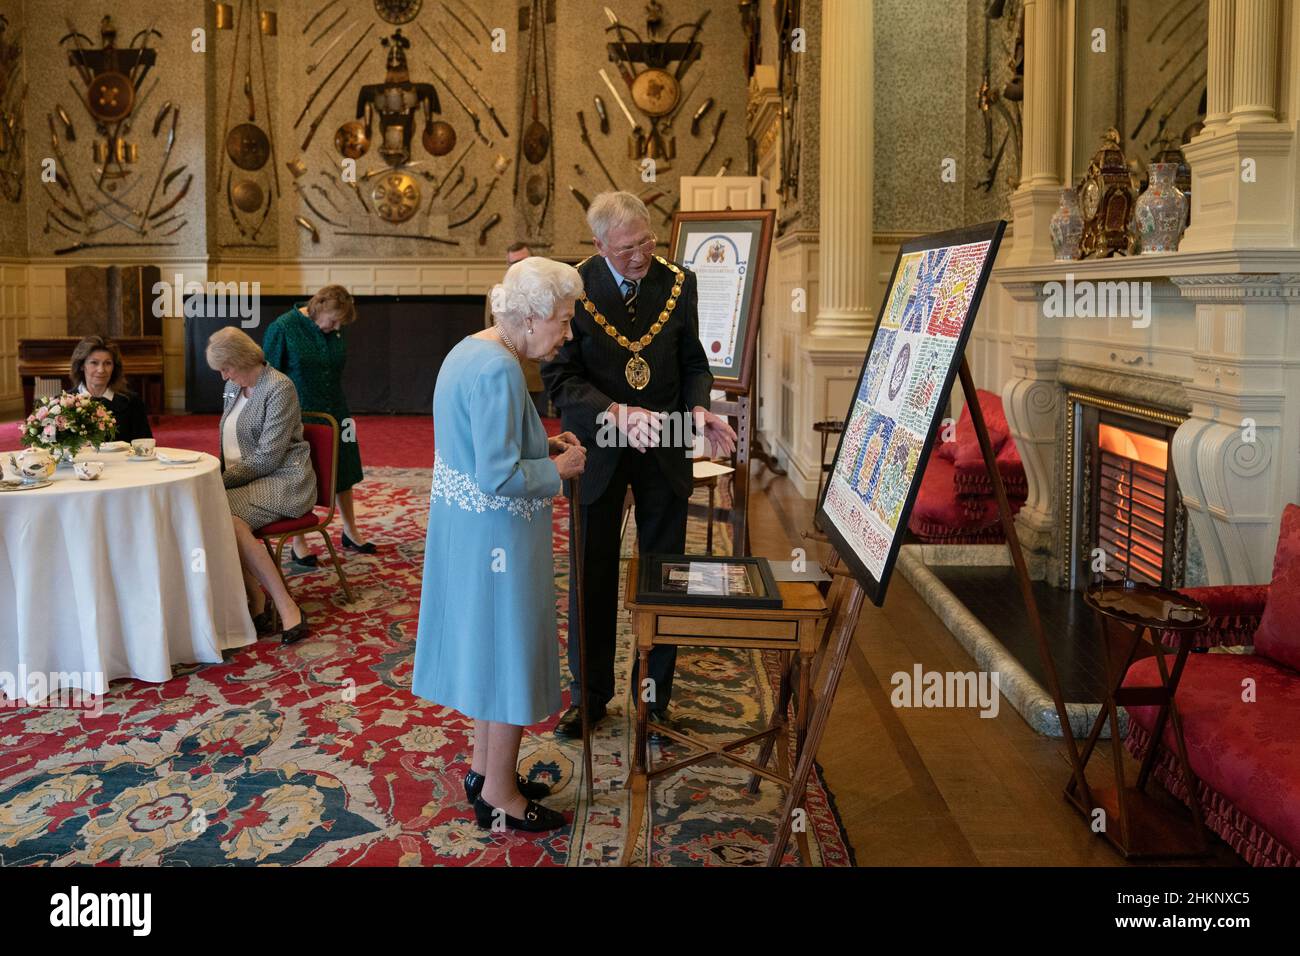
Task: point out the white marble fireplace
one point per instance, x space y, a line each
1221 350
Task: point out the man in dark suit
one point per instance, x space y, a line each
635 355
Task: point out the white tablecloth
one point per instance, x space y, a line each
119 577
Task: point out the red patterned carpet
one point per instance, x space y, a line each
318 754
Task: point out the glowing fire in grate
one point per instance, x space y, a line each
1131 504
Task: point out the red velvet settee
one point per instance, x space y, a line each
1240 712
955 503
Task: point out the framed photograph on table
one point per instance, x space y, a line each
706 580
728 253
914 356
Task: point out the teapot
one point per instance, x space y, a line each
34 464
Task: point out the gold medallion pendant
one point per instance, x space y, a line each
637 371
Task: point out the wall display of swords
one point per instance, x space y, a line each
247 171
1000 103
114 182
12 122
657 81
417 166
1152 90
534 157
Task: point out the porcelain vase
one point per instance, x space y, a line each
1161 212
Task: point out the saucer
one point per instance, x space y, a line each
179 458
114 447
139 458
11 484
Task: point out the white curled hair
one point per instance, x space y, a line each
609 210
531 289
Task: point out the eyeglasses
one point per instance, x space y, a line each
643 248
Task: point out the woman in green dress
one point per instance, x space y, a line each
307 344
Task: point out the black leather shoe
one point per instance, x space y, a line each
367 548
528 789
536 818
570 725
306 561
264 623
297 632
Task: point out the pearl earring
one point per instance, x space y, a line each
530 330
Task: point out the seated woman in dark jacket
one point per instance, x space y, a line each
97 371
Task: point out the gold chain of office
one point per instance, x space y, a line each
637 369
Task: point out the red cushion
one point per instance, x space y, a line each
965 443
1248 752
940 515
1278 635
287 526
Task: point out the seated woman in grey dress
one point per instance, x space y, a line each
486 644
265 466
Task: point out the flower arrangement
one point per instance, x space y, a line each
63 425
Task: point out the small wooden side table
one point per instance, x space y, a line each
794 628
827 428
1126 614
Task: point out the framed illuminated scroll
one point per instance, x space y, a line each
914 356
728 253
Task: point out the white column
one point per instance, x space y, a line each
847 114
1038 194
1218 80
1042 136
1254 61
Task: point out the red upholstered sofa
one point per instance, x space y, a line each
955 504
1244 752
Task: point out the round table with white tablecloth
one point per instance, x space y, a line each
123 576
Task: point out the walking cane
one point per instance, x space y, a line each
576 548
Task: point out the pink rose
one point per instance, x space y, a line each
41 413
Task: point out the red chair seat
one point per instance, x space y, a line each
288 526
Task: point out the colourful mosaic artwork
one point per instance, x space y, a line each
875 438
898 295
956 292
896 469
877 366
899 394
934 356
924 289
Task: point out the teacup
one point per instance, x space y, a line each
143 447
88 470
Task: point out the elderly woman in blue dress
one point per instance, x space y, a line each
486 643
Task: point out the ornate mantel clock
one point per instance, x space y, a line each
1106 198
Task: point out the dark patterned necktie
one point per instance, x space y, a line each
629 296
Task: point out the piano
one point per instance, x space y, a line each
49 358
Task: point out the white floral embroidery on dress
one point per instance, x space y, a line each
457 488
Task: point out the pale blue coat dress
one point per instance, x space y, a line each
486 644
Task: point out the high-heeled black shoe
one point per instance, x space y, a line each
306 561
297 632
264 623
536 818
367 548
528 789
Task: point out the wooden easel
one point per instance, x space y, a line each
846 608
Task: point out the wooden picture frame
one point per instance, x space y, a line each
707 581
898 403
706 242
